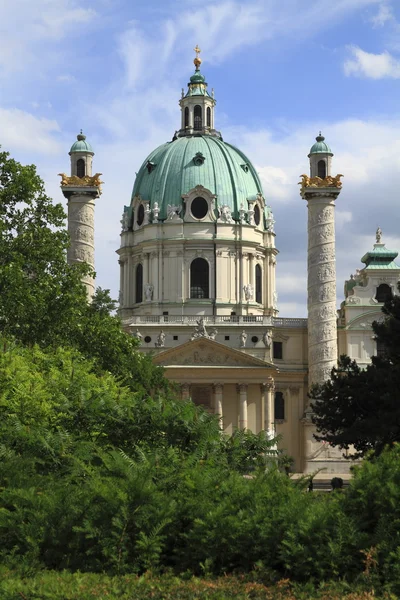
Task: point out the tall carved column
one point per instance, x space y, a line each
218 399
81 189
322 335
242 406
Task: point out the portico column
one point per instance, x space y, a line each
242 406
185 391
218 398
269 408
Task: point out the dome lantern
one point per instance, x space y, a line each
320 158
81 154
197 105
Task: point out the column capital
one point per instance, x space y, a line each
270 384
242 387
218 387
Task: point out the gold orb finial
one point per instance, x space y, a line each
197 60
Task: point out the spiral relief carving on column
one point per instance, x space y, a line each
81 231
322 335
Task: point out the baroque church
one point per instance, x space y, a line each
198 265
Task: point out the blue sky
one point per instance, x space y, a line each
282 70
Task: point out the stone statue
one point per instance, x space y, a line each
138 335
243 339
156 212
267 339
160 343
213 334
270 222
148 292
248 292
242 215
125 221
250 215
147 212
224 213
378 235
173 211
200 330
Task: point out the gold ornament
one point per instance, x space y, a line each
85 181
318 182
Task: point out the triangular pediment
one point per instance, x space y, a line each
205 352
365 320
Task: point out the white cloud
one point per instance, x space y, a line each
374 66
22 131
31 25
383 15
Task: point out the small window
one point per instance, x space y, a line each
80 167
175 337
198 119
208 116
383 293
147 339
380 348
139 283
199 208
258 284
277 350
140 215
165 315
254 339
186 117
199 278
257 215
227 338
322 169
279 406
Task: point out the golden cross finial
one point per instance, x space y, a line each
197 60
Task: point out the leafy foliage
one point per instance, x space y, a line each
360 408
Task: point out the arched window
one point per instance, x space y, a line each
199 279
186 117
139 283
322 169
80 167
383 293
279 413
198 120
208 116
258 284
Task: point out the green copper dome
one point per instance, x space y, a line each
197 77
320 146
81 145
177 167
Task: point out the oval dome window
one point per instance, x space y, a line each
140 215
199 208
257 215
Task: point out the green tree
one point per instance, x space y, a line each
42 299
39 293
360 408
